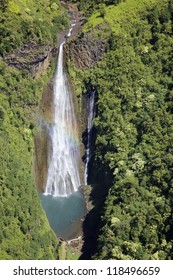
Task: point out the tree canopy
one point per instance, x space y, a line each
25 232
134 129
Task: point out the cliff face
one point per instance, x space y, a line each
33 57
42 139
86 50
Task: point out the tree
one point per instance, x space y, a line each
3 5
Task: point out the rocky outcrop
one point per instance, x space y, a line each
41 66
86 50
33 56
41 158
42 139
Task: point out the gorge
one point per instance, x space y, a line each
62 199
91 113
121 60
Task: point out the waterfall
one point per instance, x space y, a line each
63 171
91 114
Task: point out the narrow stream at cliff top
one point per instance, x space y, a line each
62 199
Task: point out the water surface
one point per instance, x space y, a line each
64 214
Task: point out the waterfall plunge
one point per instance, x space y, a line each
63 172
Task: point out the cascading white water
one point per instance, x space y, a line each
91 114
63 172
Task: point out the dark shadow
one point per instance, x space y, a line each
99 178
92 222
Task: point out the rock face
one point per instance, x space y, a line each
41 66
34 57
42 139
41 158
83 51
86 50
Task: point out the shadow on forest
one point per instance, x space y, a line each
100 179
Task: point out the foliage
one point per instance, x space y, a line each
24 20
135 131
91 5
4 4
120 18
67 253
25 232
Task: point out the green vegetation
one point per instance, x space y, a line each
133 160
72 255
26 20
90 6
134 152
120 18
68 253
25 232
